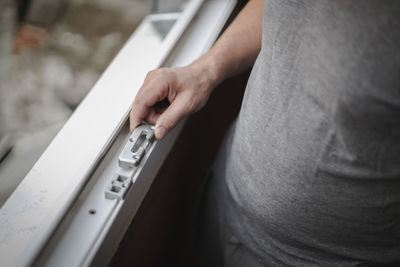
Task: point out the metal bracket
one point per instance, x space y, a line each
138 142
129 160
118 187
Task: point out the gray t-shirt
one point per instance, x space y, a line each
311 168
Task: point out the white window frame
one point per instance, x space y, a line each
42 222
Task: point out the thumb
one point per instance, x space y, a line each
171 116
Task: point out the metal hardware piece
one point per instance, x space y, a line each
129 160
118 187
137 145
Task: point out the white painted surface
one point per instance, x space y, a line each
23 156
38 205
80 236
33 211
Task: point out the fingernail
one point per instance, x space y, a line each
160 132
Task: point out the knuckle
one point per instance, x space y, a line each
162 75
162 71
151 73
157 72
150 76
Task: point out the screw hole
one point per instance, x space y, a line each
92 211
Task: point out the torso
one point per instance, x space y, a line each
313 164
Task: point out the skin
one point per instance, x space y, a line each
169 94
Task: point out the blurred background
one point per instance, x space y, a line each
51 54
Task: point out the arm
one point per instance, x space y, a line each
187 89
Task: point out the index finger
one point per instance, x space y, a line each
146 98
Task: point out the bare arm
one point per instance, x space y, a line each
187 89
238 47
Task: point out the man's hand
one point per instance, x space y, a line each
187 89
169 94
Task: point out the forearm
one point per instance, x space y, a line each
238 47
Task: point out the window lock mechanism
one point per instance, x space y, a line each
129 160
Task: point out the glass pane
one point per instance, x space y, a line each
167 6
163 26
51 54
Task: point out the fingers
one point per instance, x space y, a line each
150 93
167 95
133 122
167 120
153 116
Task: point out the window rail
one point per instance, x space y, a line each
58 215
